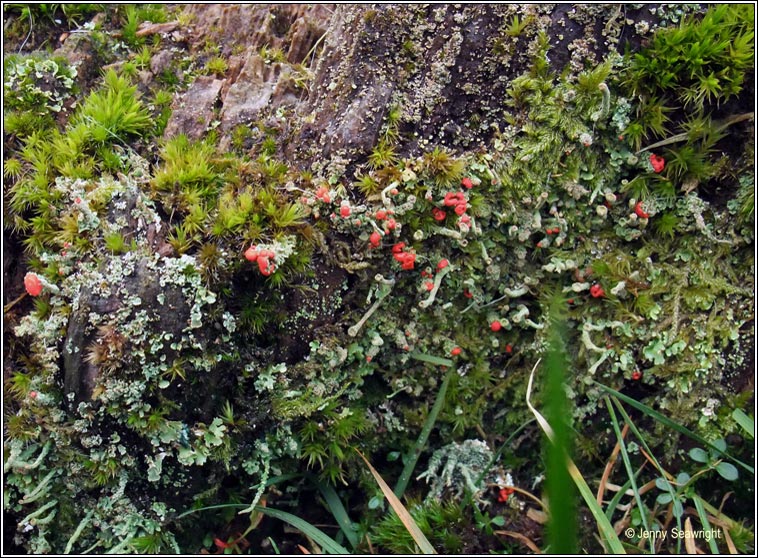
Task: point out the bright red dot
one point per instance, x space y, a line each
32 284
658 162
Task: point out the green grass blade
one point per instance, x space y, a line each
423 357
705 523
327 544
412 459
607 533
616 499
339 512
744 421
269 482
408 521
629 471
606 529
561 526
274 545
670 423
658 466
216 507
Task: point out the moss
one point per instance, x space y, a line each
444 524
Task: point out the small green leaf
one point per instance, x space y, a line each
699 455
682 478
654 352
663 498
727 470
719 445
662 483
392 456
498 521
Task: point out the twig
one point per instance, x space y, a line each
684 135
11 304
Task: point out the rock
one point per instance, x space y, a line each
168 314
234 67
80 50
193 111
447 67
77 381
161 61
305 36
147 28
260 85
357 127
292 28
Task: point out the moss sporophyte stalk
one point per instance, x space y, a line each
223 316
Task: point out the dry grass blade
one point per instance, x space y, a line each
629 492
518 536
729 542
419 537
724 499
370 546
12 303
724 526
624 522
646 487
609 467
528 495
652 461
537 516
303 549
689 538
